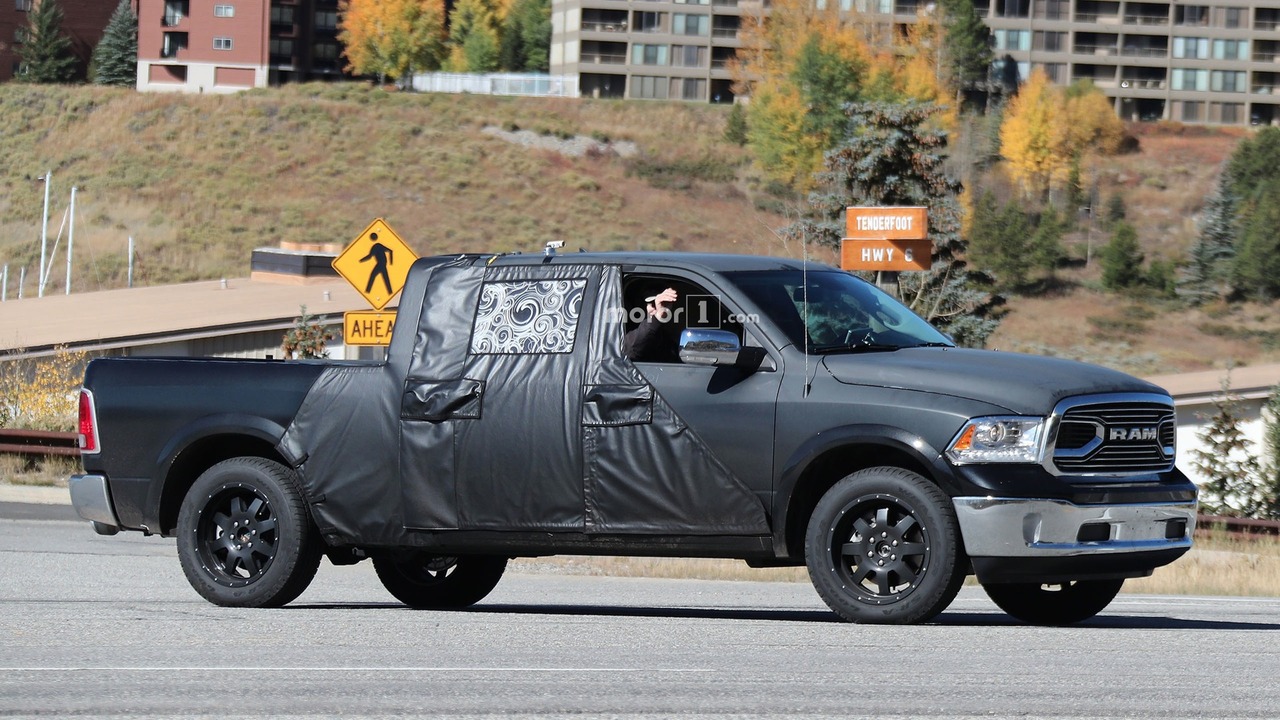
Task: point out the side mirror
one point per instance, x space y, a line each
710 347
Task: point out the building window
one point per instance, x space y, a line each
1233 17
1184 79
1190 47
1226 81
1231 49
691 24
1191 15
1192 111
222 43
644 86
648 21
174 11
648 54
224 11
173 43
1013 40
282 14
1232 113
326 20
689 56
325 51
22 6
281 47
1050 41
688 88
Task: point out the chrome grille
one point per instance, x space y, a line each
1123 436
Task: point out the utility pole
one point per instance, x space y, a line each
71 238
44 233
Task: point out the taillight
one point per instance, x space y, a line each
88 424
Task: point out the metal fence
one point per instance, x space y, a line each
498 84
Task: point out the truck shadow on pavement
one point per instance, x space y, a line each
954 619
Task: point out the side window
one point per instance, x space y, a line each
527 317
695 307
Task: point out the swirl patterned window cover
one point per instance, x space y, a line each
527 317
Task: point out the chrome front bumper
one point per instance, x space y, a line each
1021 528
92 499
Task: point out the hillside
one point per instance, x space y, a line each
199 181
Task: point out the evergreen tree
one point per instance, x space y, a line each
1122 259
115 59
526 37
1115 209
1004 244
306 339
1046 243
1208 270
888 157
45 55
1234 484
1257 263
966 45
735 128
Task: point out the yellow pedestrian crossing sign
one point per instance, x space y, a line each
376 263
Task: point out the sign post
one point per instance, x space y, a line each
886 239
376 264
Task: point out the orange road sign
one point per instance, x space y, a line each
364 327
376 263
886 223
896 255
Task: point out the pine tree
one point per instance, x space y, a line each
1001 242
735 128
306 339
526 37
1122 259
1046 243
115 59
45 56
1234 484
1257 262
1208 270
966 45
889 157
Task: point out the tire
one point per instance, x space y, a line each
244 536
437 582
910 572
1058 604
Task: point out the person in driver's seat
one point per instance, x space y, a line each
657 337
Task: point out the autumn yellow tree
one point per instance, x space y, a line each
917 68
801 65
1091 121
392 38
1034 137
474 42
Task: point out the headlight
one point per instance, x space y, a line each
998 440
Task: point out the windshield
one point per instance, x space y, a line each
832 311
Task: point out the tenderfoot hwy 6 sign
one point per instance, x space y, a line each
886 238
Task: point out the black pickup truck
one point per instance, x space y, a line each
803 417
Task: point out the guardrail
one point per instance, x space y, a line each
1247 526
39 442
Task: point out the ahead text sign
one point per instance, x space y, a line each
362 327
888 255
886 223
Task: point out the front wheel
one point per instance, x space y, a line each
244 536
425 581
1058 604
883 546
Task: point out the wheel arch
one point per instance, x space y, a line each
201 446
833 454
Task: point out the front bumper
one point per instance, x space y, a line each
1026 540
91 497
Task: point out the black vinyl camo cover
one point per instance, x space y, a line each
518 412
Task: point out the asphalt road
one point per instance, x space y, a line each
101 627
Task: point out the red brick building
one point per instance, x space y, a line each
231 45
84 21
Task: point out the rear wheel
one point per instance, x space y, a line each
244 536
425 581
1059 604
883 546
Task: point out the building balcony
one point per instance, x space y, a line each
593 26
1146 19
1145 52
602 59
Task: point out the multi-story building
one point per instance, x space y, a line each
231 45
1203 61
83 23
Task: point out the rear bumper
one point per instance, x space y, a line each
91 497
1020 540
